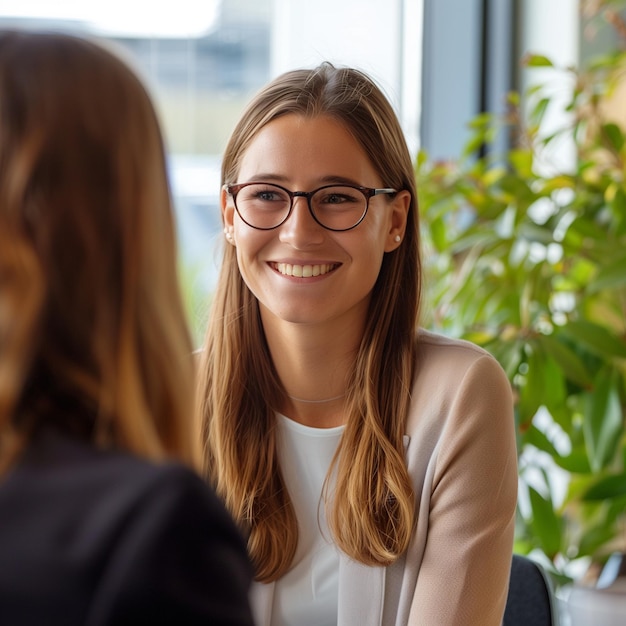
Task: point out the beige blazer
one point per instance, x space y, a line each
461 455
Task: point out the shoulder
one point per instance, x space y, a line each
54 463
433 346
144 538
447 361
101 489
169 494
455 374
181 549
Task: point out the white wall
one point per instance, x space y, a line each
552 28
380 37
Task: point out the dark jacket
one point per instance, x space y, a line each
98 538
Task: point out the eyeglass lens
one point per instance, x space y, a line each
336 207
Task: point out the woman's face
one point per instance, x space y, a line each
302 154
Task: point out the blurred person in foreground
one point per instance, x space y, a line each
372 463
103 517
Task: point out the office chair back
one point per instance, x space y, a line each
530 601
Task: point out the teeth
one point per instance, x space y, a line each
304 271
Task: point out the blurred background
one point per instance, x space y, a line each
440 62
515 113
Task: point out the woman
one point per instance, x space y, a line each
103 519
372 465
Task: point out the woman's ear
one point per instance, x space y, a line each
228 215
228 208
397 222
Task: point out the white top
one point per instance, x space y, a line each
461 457
307 595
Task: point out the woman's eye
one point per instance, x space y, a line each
335 199
269 195
338 198
266 195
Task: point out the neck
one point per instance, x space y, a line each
342 395
314 363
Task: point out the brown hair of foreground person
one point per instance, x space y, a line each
104 520
90 313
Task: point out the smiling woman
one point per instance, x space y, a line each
371 464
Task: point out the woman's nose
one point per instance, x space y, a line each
301 229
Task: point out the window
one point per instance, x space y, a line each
203 59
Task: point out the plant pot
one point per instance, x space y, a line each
604 604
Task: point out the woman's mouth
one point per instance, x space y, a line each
304 271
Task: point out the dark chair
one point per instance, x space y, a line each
530 601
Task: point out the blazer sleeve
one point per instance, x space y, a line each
179 560
464 573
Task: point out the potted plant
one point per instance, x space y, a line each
531 264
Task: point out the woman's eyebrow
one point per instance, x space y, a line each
329 179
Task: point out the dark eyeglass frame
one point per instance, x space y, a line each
368 192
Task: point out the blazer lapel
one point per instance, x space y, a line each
362 589
361 593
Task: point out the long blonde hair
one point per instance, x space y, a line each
93 334
372 513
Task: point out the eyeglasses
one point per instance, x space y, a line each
265 206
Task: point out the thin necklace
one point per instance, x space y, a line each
316 401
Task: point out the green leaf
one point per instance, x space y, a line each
604 61
438 234
538 60
474 144
522 161
422 159
545 523
532 392
612 276
534 232
603 420
614 136
562 181
595 338
539 439
554 385
608 487
596 537
507 353
618 207
493 175
576 462
568 360
481 121
539 110
513 98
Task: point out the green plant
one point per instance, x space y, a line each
196 299
531 264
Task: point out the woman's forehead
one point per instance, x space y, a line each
294 146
